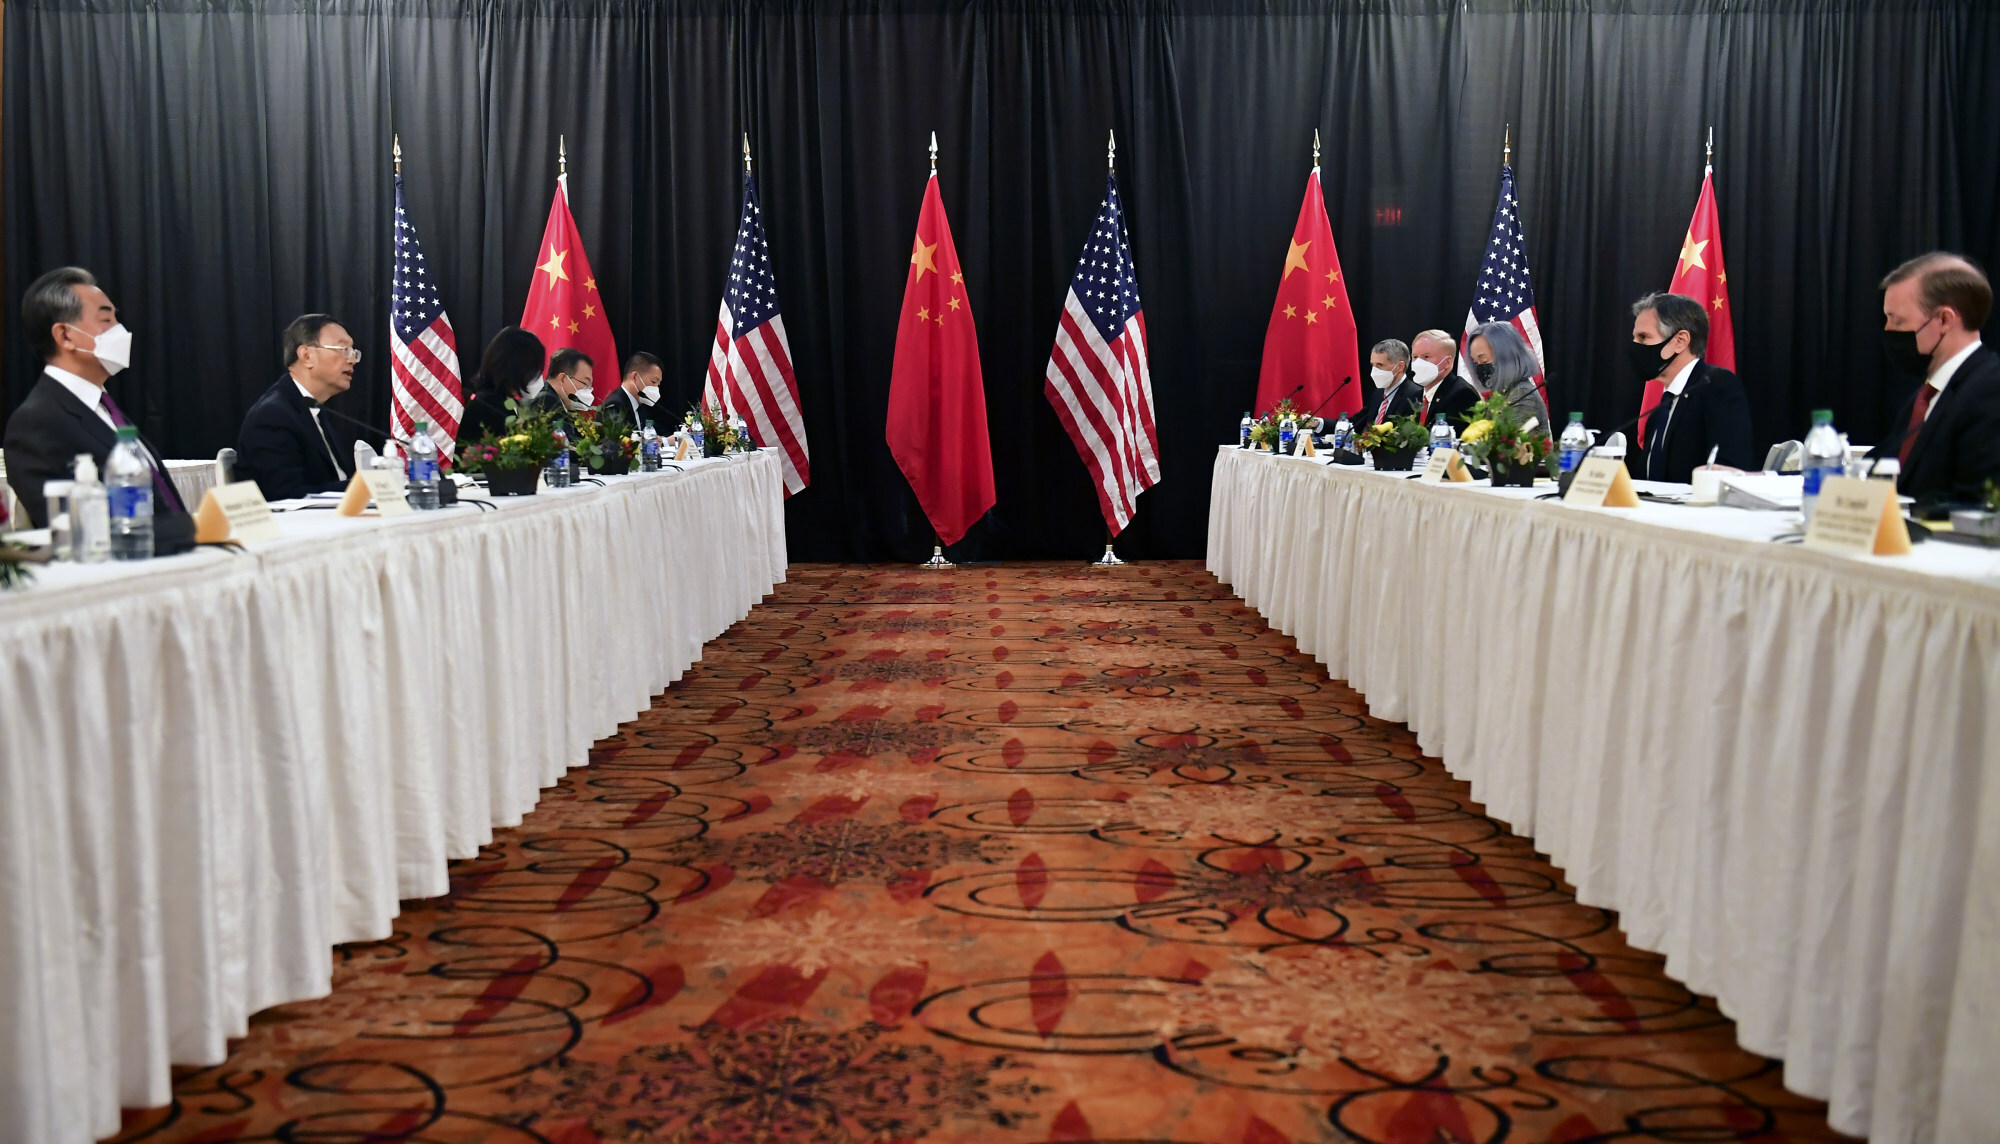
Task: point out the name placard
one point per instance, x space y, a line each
1602 482
1858 518
236 512
384 485
1445 467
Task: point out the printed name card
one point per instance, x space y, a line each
1602 482
1859 518
235 512
384 485
1445 466
1302 445
684 450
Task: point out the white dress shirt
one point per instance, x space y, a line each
91 394
314 406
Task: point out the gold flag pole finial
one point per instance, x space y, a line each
1507 147
562 157
1708 156
1111 153
933 152
1315 148
746 152
396 149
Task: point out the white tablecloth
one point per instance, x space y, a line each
1779 766
215 767
191 479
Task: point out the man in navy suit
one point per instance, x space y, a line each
285 445
1704 408
1948 436
75 329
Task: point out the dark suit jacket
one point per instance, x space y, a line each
1454 396
279 448
1406 396
1956 452
1712 412
44 437
625 407
485 414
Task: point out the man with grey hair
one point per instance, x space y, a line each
74 329
1389 368
1446 396
1704 409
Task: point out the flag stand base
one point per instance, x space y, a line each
937 559
1108 560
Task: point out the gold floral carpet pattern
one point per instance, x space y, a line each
999 854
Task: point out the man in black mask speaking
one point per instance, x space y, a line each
1704 407
1948 437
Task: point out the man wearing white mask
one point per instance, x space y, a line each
569 387
1389 369
1446 396
637 391
75 329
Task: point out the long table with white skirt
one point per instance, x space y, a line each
1780 766
214 767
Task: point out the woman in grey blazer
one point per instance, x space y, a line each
1503 364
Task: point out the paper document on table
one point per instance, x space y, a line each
1765 492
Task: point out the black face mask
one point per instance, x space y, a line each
1645 360
1483 370
1899 349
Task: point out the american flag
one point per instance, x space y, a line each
750 367
423 356
1098 377
1505 293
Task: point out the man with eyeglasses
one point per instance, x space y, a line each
285 444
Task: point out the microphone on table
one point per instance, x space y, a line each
1288 396
447 490
1329 397
1562 486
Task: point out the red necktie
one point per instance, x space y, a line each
162 491
1917 412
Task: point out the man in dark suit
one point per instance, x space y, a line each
1948 436
570 384
285 445
636 392
1446 396
1389 370
1704 407
75 329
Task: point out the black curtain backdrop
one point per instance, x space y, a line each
224 165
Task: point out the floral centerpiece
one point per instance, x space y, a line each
603 445
717 435
1394 442
1499 441
513 458
1265 433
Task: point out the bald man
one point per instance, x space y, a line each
1446 395
1948 436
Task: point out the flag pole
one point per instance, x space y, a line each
746 152
562 158
937 562
1111 154
1708 156
396 150
1315 148
1507 146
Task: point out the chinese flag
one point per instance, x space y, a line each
937 399
1311 338
1699 274
564 307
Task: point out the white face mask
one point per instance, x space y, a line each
534 389
112 348
1381 377
580 398
1424 372
649 394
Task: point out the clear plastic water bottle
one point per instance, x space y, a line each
699 438
1443 439
649 449
559 469
422 469
364 456
1822 458
89 514
129 488
1287 430
56 495
1343 435
1243 431
1574 444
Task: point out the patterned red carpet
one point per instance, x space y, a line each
1001 854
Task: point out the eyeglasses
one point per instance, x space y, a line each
348 352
